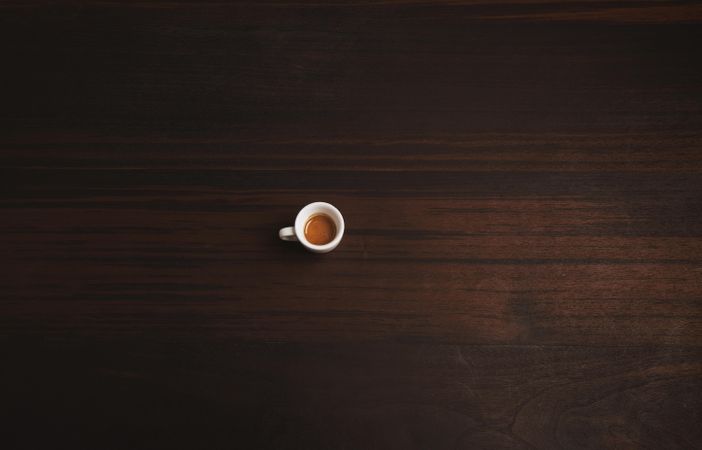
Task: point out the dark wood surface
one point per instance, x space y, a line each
521 182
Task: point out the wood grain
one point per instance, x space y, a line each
521 182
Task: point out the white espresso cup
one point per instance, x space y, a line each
297 232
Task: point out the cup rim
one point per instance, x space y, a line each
300 223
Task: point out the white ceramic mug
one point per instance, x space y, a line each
297 232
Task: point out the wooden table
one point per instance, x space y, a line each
521 182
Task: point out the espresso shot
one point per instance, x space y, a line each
320 229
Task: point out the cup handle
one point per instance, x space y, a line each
287 234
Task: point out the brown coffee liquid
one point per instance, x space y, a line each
320 229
